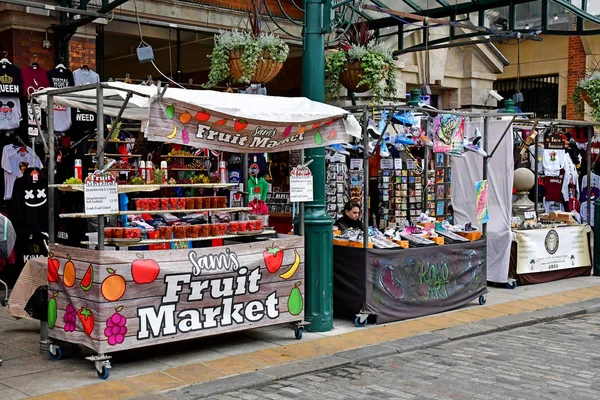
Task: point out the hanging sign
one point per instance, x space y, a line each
301 185
191 125
386 163
101 195
540 250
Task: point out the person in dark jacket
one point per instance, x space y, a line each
350 219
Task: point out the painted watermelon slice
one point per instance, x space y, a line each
88 279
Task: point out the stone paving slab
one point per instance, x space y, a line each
277 351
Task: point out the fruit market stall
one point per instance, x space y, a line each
410 259
193 265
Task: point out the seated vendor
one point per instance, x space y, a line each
350 217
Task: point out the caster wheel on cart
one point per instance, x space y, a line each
298 333
104 374
57 355
511 284
482 300
360 324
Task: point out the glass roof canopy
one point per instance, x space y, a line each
550 17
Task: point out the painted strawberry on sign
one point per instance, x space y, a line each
273 257
240 125
287 131
87 320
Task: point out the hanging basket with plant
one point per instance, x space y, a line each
247 57
588 91
360 64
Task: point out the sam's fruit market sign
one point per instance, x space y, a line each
189 125
160 296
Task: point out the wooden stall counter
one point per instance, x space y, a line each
116 300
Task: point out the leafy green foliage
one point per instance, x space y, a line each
377 63
253 48
591 87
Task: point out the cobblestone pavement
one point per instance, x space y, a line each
555 360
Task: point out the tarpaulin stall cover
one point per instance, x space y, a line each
468 170
218 120
397 284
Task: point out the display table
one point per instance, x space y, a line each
397 284
550 254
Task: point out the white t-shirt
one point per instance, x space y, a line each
12 161
554 161
550 206
62 118
10 112
85 76
571 176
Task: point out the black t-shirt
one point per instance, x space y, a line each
30 203
60 78
10 80
83 121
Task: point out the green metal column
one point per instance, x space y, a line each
596 257
318 225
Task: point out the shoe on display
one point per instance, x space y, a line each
372 130
347 146
425 140
389 232
383 150
403 118
475 148
338 149
383 121
476 137
470 228
404 140
455 153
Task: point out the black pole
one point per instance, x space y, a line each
178 55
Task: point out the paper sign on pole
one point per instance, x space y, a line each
356 163
301 185
101 195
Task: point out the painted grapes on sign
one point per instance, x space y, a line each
135 300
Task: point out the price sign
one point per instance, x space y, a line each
397 163
356 163
387 163
101 195
301 185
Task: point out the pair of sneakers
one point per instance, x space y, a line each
474 144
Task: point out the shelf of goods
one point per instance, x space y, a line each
63 187
187 211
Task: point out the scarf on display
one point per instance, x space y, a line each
449 132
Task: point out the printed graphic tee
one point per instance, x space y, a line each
553 186
35 78
30 202
10 113
10 88
85 76
554 161
61 78
14 162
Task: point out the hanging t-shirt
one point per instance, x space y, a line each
540 158
61 78
553 186
10 113
584 213
35 78
570 186
14 162
257 188
595 190
85 76
554 161
30 203
550 206
83 121
257 165
10 80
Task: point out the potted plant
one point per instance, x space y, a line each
248 57
360 64
588 90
